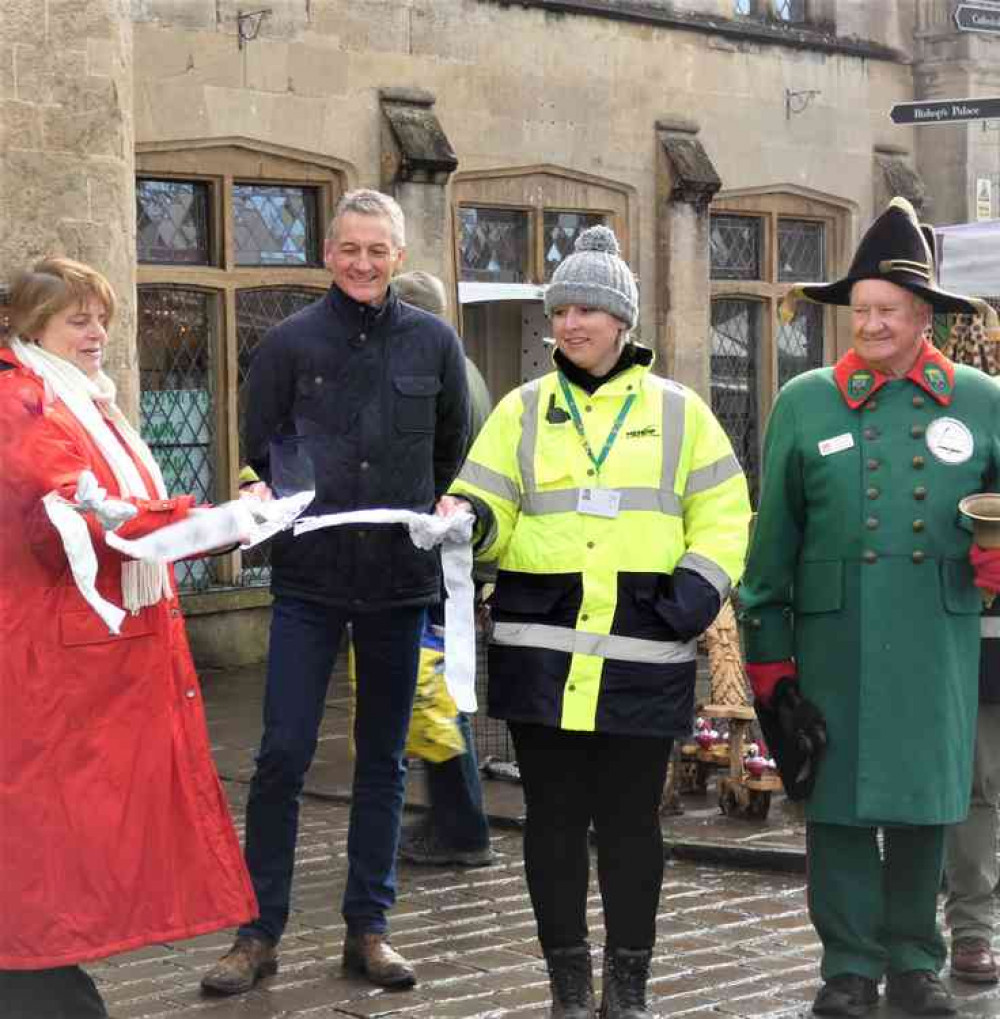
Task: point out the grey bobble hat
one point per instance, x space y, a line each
595 276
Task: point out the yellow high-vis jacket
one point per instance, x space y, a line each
596 616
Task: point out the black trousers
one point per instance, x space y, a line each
571 780
64 993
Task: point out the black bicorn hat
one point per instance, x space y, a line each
894 248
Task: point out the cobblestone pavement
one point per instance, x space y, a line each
731 944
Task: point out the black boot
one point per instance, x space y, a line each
572 983
626 973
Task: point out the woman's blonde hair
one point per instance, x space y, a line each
49 287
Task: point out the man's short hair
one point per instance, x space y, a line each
422 290
366 202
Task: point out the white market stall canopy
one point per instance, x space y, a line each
471 292
969 258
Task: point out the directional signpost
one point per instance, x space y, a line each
946 111
977 18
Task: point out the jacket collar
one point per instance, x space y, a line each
357 317
632 355
858 381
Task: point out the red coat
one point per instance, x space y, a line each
114 830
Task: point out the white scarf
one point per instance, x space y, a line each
92 403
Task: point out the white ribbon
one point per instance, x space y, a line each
79 549
454 534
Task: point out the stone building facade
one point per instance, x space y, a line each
196 149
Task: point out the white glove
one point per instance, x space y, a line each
90 497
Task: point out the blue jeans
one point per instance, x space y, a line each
305 637
456 796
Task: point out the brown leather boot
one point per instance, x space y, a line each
370 955
241 967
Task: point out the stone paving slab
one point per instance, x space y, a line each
731 945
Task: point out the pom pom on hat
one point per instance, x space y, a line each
595 276
598 238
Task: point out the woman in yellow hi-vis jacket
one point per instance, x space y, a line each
618 515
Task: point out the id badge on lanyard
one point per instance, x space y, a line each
599 502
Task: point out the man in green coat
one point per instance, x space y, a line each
860 613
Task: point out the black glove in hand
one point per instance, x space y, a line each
803 727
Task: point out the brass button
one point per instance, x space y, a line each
870 433
918 401
920 493
871 405
584 617
869 556
918 556
871 523
918 525
873 464
917 431
873 493
918 463
572 686
590 544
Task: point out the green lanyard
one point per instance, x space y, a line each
597 461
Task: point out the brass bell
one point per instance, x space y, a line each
983 509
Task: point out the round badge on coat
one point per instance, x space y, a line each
950 440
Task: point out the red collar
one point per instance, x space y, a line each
858 381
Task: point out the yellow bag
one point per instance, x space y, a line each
434 734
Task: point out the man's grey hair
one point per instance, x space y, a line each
422 290
366 202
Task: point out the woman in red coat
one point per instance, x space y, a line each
114 830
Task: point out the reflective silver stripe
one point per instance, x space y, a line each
711 571
989 626
565 500
672 427
529 434
603 645
490 481
714 474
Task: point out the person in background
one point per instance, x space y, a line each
617 513
455 829
371 392
114 829
860 613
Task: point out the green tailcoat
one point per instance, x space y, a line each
859 570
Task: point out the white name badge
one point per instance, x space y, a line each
837 444
599 502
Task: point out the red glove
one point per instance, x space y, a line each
765 676
986 568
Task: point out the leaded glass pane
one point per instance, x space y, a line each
493 244
790 10
561 231
176 337
800 343
275 225
735 382
735 243
172 221
256 311
801 251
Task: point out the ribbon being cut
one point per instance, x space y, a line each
248 522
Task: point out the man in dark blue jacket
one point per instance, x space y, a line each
371 394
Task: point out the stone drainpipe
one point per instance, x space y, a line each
417 161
